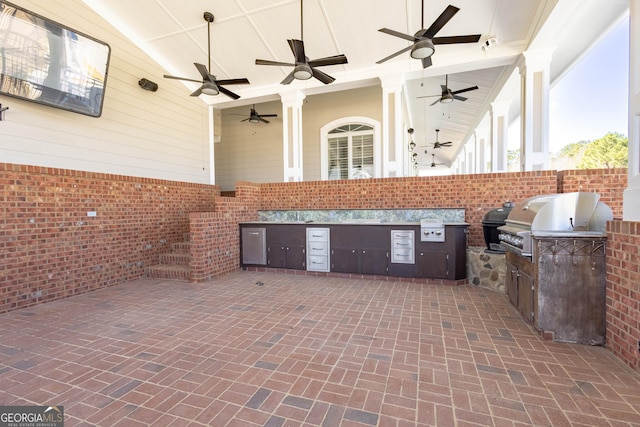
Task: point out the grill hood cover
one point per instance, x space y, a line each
568 212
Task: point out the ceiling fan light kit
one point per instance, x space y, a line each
425 39
302 72
422 49
209 88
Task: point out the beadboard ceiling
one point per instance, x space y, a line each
174 33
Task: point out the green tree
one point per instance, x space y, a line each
610 151
572 150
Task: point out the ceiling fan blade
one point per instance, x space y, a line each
268 115
441 21
435 102
397 34
263 120
446 144
329 60
459 98
427 96
472 38
197 92
288 79
297 47
267 62
323 77
166 76
244 120
232 81
228 93
202 69
464 90
426 62
394 54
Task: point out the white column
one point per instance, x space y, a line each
213 131
534 137
499 135
393 148
482 141
292 134
631 197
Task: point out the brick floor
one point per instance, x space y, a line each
304 351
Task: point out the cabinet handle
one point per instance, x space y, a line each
317 249
317 235
353 251
364 252
254 233
402 244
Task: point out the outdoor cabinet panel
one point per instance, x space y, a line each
511 278
286 246
254 250
318 249
344 260
432 264
374 261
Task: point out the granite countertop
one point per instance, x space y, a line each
350 222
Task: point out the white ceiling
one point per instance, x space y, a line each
174 33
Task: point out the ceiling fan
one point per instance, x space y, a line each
303 68
424 40
210 85
448 95
254 117
438 144
433 161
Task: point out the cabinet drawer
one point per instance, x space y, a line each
401 243
403 256
318 263
318 248
318 235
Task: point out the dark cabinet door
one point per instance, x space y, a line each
295 257
525 295
344 260
276 256
433 264
374 261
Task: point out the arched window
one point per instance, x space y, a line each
349 148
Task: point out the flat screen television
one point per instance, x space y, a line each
46 62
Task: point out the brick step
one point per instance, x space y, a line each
175 258
166 271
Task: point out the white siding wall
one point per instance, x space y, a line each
249 151
163 134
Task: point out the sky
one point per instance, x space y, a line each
592 99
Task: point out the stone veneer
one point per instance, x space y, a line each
486 270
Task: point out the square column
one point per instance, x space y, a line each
631 197
499 135
534 136
292 135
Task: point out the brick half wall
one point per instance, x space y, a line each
50 248
623 291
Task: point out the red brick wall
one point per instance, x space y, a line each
214 236
51 248
623 291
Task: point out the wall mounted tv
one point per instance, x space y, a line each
46 62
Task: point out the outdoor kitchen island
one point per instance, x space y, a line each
428 249
556 265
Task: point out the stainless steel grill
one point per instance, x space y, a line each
578 214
